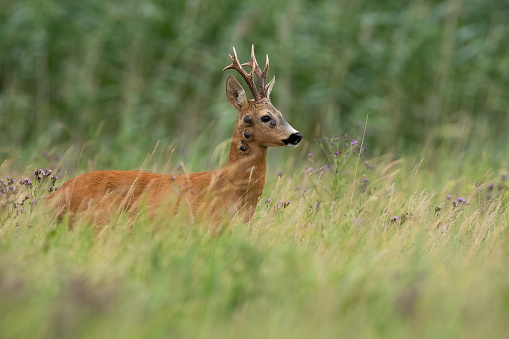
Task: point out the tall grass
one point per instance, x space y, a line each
327 254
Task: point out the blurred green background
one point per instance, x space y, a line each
122 75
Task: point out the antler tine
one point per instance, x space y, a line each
260 76
266 68
248 77
252 62
264 76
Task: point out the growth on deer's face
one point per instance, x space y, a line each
213 196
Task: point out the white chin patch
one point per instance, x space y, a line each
291 145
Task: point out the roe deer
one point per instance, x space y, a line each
232 190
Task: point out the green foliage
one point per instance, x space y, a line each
126 74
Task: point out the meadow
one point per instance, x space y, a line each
354 246
389 220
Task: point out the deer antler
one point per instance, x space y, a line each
260 91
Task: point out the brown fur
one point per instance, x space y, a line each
226 192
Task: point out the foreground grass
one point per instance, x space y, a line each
339 266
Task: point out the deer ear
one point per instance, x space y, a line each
268 87
235 93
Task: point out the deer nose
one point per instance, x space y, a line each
293 139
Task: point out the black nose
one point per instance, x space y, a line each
293 139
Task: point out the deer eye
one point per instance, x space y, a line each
265 118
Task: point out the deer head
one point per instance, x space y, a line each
261 122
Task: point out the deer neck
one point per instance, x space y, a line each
247 163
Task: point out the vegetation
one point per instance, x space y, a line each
355 248
121 75
396 229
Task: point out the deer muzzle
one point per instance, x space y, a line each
293 140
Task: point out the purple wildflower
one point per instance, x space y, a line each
317 204
310 155
448 196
